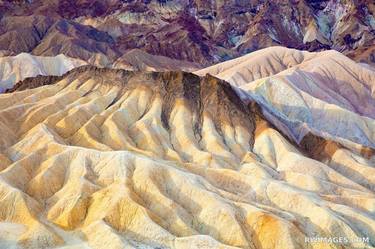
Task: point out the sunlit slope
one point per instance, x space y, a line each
114 159
16 68
325 93
258 64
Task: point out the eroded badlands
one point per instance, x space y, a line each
113 159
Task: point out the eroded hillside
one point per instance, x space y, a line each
102 158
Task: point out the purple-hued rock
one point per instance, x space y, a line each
195 31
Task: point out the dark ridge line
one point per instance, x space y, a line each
32 82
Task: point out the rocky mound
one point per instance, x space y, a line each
104 158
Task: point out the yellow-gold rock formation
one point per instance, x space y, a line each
110 159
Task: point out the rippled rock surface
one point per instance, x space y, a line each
101 158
